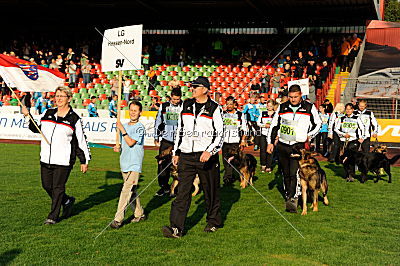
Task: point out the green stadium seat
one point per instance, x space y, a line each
92 91
159 78
80 106
78 101
185 79
109 77
184 88
84 96
83 90
168 78
107 86
98 86
177 69
189 74
105 102
76 95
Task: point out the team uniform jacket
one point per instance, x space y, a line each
235 126
369 123
264 119
351 125
294 127
167 121
332 120
66 136
204 132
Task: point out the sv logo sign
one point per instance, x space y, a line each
119 63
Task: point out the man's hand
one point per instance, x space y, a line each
175 160
270 148
374 135
120 126
117 148
205 156
24 111
330 136
84 168
157 143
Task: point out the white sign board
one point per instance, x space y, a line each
303 83
122 48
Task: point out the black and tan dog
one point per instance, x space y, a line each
167 155
245 163
313 179
368 162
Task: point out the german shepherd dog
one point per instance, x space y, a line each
381 148
167 155
245 163
312 178
368 162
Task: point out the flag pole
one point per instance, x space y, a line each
29 115
117 141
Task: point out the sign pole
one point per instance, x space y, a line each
29 115
117 141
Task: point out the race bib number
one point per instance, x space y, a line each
231 121
171 118
349 125
287 130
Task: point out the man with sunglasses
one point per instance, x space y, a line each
199 139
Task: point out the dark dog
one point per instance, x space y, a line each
368 162
167 155
245 163
312 178
381 148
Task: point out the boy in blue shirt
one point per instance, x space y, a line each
252 113
112 107
132 153
323 132
92 110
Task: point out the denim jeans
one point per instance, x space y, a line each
86 78
72 78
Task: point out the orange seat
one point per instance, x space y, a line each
153 93
124 104
86 102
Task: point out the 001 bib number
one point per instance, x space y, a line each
172 118
287 130
349 125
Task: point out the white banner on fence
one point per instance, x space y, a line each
97 130
303 83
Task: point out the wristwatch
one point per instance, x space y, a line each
124 134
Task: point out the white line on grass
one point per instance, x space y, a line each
265 199
133 200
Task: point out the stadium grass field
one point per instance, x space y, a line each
361 226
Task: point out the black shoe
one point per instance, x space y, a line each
291 205
160 192
171 232
67 208
210 228
115 224
49 222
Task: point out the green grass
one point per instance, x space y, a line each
361 226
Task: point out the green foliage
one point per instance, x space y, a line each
392 11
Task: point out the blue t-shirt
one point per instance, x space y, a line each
92 110
112 107
325 122
251 111
132 157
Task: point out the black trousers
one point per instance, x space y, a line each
323 136
334 156
265 158
190 165
226 147
163 179
365 146
255 131
289 167
54 178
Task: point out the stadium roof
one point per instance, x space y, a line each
196 12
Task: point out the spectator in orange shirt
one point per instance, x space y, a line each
355 43
344 53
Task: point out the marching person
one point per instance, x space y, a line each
252 113
235 126
323 132
132 153
165 129
63 129
264 122
200 137
350 131
332 135
294 123
370 125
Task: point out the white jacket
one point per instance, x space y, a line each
204 132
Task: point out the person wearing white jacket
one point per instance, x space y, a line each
200 136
